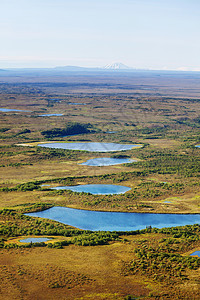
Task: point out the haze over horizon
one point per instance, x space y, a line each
153 34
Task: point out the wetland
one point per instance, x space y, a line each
104 245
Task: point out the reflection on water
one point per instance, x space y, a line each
96 189
114 221
195 253
106 161
12 109
34 240
50 115
91 146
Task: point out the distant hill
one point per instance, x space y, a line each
111 67
74 68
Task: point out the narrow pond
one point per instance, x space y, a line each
107 161
114 221
12 109
195 253
91 146
34 240
96 189
51 115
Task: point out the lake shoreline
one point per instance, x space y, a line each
115 211
113 221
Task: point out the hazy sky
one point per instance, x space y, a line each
156 34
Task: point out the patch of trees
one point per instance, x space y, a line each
169 162
96 238
70 129
161 266
120 156
4 129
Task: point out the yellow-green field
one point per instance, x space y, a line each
152 264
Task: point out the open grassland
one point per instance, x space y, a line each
161 113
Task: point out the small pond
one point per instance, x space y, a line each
90 146
76 103
12 109
34 240
195 253
111 221
198 146
96 189
107 161
51 115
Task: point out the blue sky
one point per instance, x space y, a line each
153 34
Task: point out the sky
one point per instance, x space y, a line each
143 34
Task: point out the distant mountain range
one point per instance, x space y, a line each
113 66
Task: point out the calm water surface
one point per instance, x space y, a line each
107 161
50 115
196 253
35 240
198 146
12 109
96 189
91 146
76 103
111 221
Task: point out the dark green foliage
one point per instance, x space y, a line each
169 162
162 266
4 129
96 238
29 186
120 156
24 131
71 129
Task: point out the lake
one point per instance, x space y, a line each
198 146
90 146
195 253
34 240
51 115
114 221
107 161
96 189
76 103
12 109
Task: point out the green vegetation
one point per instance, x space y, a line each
161 266
70 129
164 118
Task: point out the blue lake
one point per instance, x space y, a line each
76 103
90 146
12 109
96 189
198 146
195 253
34 240
51 115
114 221
107 161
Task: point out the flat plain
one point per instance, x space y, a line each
160 112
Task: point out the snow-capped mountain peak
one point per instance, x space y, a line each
116 66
